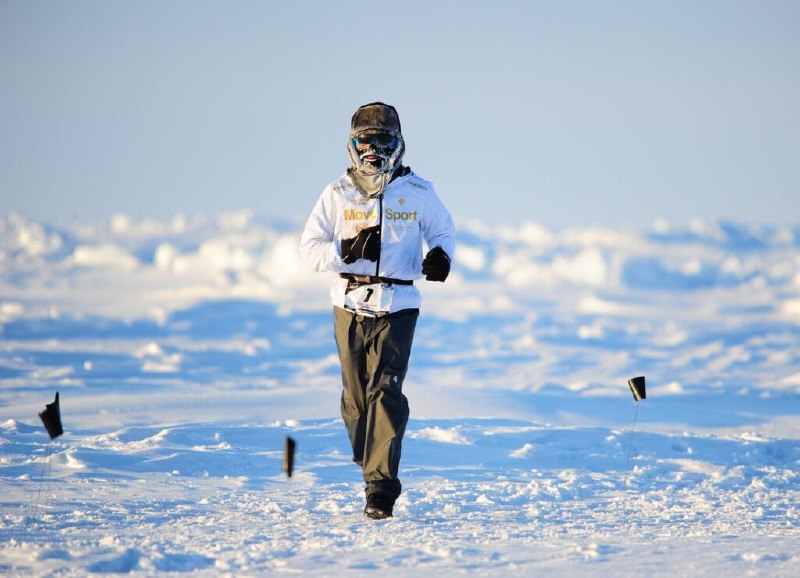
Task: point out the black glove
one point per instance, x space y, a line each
365 245
436 265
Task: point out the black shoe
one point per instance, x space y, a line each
378 507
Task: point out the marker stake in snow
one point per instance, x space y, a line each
288 456
638 390
51 418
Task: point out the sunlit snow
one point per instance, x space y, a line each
186 351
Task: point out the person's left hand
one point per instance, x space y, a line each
436 265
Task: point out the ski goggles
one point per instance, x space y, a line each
377 140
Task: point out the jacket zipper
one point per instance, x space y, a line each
380 235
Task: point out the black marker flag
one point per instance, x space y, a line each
288 456
51 418
637 388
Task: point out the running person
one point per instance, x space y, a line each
369 226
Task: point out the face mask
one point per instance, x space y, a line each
374 157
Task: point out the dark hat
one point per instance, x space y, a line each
375 116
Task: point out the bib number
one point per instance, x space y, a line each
373 300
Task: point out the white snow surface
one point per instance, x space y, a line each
185 353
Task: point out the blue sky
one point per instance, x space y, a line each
564 113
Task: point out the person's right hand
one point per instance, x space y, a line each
365 245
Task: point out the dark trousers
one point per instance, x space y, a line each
374 355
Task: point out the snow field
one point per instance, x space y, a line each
184 353
211 498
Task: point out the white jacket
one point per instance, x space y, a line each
408 211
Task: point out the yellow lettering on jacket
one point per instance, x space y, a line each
354 215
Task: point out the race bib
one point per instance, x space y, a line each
373 300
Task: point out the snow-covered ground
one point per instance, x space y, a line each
186 351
